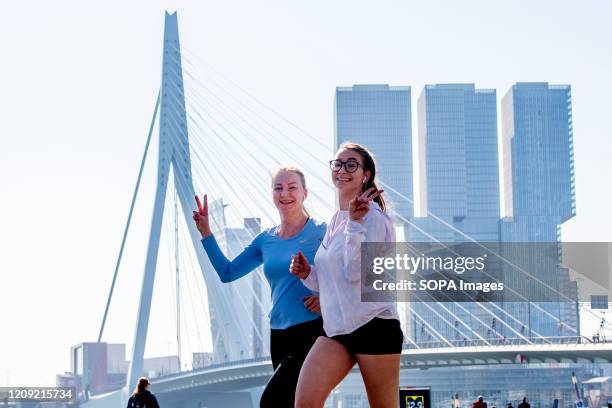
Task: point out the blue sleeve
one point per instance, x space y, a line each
228 271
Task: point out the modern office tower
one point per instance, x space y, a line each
458 164
538 194
458 195
538 157
379 117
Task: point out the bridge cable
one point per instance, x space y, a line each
127 225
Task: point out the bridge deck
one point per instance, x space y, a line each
252 373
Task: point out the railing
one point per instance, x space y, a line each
211 367
118 385
498 342
568 340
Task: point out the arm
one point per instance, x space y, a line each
311 281
301 268
228 271
375 228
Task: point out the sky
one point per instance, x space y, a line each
78 82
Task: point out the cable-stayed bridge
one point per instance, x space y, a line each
215 137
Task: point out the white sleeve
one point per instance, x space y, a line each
311 281
376 228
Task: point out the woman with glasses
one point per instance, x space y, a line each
365 333
295 319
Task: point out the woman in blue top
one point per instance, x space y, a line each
295 319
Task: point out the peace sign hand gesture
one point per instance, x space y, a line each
360 205
201 217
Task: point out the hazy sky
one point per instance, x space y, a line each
78 82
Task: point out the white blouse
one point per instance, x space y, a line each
336 273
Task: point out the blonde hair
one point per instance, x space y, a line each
295 170
290 169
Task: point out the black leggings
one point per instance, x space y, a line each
289 348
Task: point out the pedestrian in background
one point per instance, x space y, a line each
479 403
142 397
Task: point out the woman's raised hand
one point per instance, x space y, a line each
201 217
299 266
360 205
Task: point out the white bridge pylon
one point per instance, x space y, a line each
230 338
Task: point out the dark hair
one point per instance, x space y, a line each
369 164
142 384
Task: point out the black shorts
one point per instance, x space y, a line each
378 336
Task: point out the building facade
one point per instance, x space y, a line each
380 118
539 194
459 198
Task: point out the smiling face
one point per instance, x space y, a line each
288 191
345 182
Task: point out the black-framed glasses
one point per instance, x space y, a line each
350 166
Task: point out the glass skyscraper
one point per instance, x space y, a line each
458 164
380 118
538 161
459 197
539 195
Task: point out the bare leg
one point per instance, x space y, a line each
327 363
381 377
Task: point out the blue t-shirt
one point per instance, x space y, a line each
275 253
